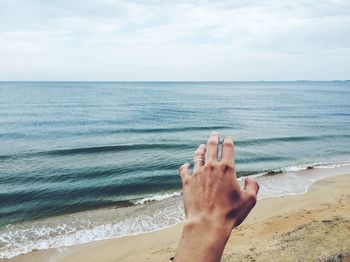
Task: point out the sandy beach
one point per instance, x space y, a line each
308 227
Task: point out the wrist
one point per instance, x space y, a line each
215 228
202 240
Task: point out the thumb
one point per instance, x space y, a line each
251 186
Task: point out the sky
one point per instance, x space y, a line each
163 40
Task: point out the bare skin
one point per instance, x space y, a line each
213 200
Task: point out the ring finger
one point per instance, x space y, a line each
198 158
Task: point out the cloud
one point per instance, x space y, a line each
174 40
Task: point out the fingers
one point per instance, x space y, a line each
251 187
184 172
198 157
212 147
227 153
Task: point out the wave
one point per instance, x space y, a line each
10 215
113 173
99 149
116 148
263 141
147 146
84 228
38 203
284 170
157 198
174 129
105 131
300 167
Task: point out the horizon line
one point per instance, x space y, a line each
177 81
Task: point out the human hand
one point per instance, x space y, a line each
213 200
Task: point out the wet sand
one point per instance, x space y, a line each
308 227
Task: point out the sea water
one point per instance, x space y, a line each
83 161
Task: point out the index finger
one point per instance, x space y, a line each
228 150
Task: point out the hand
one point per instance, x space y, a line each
213 200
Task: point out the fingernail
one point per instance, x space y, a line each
215 133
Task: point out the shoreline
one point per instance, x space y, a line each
276 225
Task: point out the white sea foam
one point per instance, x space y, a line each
301 167
149 214
157 198
87 226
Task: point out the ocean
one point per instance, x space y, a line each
84 161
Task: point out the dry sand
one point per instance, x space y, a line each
311 227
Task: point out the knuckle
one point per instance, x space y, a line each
228 143
256 184
212 143
181 169
185 181
210 166
195 175
198 154
228 165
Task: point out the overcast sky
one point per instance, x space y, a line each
174 40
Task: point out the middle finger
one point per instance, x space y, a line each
212 147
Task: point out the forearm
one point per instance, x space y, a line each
201 241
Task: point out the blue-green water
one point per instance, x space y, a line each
75 146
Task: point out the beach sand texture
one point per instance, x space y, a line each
310 227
